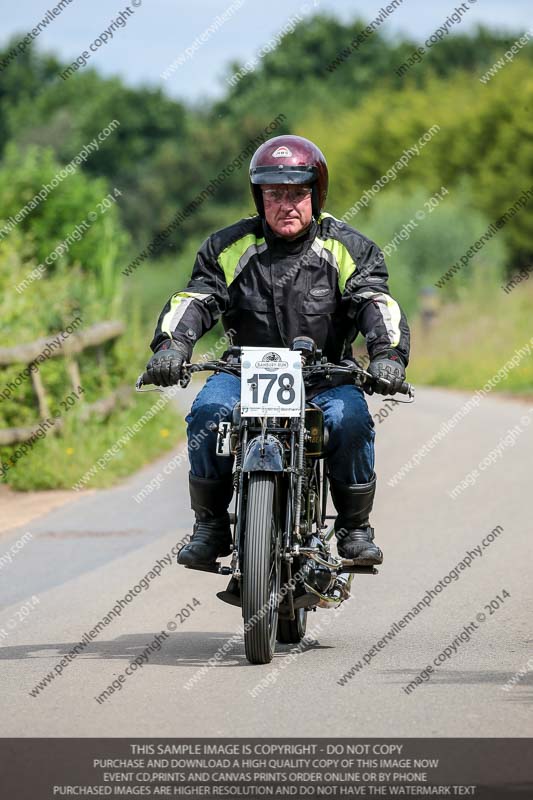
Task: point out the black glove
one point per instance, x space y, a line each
164 367
387 366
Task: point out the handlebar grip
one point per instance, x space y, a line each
185 377
143 380
406 388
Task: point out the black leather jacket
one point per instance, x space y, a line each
329 284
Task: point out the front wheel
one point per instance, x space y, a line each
261 568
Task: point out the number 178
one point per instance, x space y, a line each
285 382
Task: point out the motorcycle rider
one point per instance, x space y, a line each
290 270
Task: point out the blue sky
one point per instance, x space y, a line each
160 30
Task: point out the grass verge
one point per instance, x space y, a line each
471 340
60 461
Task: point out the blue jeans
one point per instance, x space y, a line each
350 450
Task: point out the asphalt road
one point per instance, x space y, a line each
89 553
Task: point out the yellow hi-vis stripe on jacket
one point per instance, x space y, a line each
179 304
235 257
336 254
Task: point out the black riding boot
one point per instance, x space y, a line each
210 498
355 537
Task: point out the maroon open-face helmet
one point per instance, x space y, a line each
289 159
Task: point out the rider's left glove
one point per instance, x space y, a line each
387 366
164 367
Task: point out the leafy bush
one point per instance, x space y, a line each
425 243
35 303
61 226
485 134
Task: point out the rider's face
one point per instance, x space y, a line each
289 211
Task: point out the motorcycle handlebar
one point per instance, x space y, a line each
223 366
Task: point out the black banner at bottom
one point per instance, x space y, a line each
487 769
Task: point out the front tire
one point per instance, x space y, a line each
261 569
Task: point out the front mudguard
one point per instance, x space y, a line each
266 456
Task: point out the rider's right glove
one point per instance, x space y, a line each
164 367
388 366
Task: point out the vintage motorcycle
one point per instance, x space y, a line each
281 565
